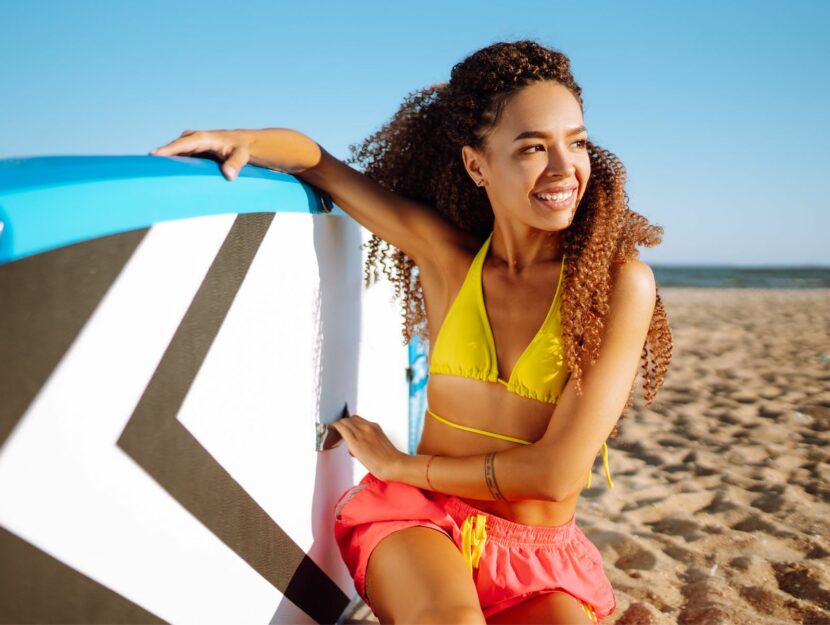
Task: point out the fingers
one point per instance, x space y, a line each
185 144
344 432
348 425
232 153
235 162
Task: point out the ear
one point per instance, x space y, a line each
474 163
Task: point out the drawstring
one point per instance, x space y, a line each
589 611
605 466
473 537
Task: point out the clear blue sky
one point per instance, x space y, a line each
718 109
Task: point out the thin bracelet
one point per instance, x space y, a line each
428 462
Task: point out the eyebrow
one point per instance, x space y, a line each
540 134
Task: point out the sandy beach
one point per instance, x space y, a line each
720 512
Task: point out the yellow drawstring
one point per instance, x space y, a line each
589 611
473 537
605 466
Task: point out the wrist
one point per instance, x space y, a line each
282 149
405 469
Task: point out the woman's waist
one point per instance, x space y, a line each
530 512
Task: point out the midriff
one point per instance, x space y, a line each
491 407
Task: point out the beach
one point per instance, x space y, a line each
720 511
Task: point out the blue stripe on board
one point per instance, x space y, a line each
418 352
53 201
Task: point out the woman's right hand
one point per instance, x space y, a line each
231 147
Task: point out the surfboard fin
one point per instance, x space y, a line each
328 438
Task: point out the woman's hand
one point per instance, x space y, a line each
367 442
231 147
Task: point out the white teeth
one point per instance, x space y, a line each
555 197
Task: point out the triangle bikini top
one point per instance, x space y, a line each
465 346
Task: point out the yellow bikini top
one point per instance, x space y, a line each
465 347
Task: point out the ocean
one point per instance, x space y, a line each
743 277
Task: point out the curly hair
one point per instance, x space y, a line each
416 155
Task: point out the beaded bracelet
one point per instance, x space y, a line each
428 462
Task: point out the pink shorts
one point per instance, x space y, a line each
510 562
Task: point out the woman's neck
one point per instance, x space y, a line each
518 246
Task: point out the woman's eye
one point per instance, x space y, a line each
580 143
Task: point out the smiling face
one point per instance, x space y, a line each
535 161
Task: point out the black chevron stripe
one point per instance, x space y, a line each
158 442
45 301
37 588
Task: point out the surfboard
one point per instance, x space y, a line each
170 343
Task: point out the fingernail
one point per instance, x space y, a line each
231 172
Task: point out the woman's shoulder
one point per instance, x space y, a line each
633 282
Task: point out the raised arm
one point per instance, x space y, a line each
415 228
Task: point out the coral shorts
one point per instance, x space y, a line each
509 562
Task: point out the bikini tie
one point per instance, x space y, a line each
473 537
605 466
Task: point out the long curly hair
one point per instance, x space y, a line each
417 155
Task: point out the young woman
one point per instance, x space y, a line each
514 250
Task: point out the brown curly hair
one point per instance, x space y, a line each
416 155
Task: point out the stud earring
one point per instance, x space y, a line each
480 183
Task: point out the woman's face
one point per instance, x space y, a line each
539 146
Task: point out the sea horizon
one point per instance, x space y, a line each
737 276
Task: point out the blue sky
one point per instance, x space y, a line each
717 109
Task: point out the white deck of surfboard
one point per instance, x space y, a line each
252 405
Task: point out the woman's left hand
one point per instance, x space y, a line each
367 442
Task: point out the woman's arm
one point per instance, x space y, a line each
415 228
412 227
555 467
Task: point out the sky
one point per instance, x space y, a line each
717 109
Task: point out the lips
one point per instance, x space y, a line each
558 200
556 197
558 189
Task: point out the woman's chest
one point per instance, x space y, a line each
512 310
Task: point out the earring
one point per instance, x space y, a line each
480 183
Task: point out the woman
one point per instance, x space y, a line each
512 245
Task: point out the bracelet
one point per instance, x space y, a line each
428 463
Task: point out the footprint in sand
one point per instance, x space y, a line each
765 601
682 554
631 555
637 450
674 526
755 523
797 580
642 503
720 503
634 557
769 502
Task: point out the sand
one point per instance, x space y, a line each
720 511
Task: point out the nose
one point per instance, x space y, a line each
560 163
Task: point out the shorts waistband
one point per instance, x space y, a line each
499 528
